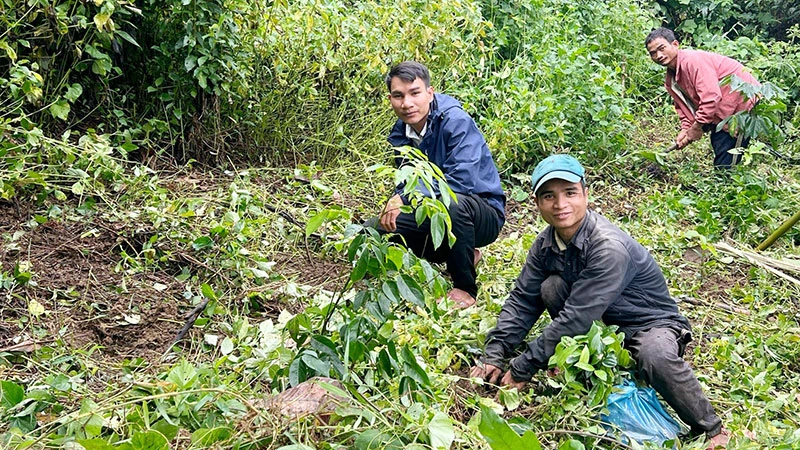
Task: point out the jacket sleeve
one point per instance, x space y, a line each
465 144
519 313
608 271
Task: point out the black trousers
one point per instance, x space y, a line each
721 142
475 224
659 360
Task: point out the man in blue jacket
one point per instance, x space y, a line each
438 126
580 269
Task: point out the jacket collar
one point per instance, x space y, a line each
398 138
581 237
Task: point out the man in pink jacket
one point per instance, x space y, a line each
692 79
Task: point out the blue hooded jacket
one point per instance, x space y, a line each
455 144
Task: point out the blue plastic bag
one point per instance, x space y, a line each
637 414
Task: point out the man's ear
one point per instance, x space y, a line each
675 43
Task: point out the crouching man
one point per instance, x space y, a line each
582 268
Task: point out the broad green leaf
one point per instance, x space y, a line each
315 222
499 435
410 290
584 359
60 109
35 309
412 368
360 269
441 431
10 394
394 255
95 444
164 427
202 243
571 444
227 346
73 92
377 440
438 229
205 437
208 292
149 440
391 291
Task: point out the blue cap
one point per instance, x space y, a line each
563 167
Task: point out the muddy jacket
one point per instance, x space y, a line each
454 144
611 278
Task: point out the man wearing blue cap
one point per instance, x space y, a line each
582 268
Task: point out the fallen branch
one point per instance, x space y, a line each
775 266
191 317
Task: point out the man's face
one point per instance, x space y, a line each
563 205
663 52
411 101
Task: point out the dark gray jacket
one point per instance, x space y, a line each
611 277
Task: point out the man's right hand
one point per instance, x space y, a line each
390 213
487 372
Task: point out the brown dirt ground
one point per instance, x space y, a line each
91 303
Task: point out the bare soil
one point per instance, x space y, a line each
92 301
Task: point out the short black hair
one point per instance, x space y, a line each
408 71
662 32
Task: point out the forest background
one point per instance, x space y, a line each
182 182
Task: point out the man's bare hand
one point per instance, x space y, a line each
390 213
689 135
487 372
509 381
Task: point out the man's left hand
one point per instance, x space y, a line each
509 381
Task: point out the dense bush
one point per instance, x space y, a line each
565 75
752 18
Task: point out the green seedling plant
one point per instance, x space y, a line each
763 120
588 366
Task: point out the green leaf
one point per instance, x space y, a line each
438 228
205 437
500 436
149 440
572 444
441 431
208 292
410 290
390 290
60 109
202 243
73 92
95 444
126 36
412 368
10 394
360 269
584 355
374 440
315 222
394 255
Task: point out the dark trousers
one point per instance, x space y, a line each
659 358
475 224
721 142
